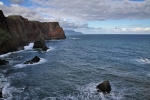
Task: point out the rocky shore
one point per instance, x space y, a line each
16 32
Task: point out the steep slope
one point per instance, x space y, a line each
16 31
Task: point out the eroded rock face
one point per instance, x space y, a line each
3 62
36 59
16 31
104 87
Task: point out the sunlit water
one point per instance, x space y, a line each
73 67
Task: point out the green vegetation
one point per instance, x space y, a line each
4 36
13 16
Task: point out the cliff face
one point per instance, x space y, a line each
17 31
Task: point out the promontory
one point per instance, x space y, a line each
16 31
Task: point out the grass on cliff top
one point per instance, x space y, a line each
14 16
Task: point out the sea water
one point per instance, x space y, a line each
72 68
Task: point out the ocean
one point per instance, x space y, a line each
73 67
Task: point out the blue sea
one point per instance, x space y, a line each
72 68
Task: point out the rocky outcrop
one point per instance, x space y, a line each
104 87
3 62
36 59
16 31
40 44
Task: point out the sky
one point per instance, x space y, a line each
86 16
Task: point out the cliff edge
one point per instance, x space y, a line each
16 31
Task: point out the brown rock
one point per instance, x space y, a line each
16 31
104 87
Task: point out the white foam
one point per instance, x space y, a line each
89 92
143 60
74 38
24 65
30 46
7 92
4 55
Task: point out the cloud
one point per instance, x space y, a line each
75 14
96 9
1 3
17 1
15 9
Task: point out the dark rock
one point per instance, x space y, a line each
104 87
1 94
40 44
3 62
36 59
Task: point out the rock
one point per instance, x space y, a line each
3 62
16 31
40 44
1 94
104 87
36 59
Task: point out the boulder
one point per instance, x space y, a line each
40 44
3 62
36 59
104 87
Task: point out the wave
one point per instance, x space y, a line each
29 47
24 65
89 92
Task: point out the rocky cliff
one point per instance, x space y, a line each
16 31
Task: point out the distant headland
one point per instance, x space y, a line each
16 31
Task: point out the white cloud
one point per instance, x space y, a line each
14 5
1 3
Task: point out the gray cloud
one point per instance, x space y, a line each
17 1
96 9
74 14
15 9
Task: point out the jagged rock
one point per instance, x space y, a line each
36 59
40 44
104 87
16 31
3 62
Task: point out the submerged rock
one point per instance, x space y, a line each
36 59
104 87
3 62
40 44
